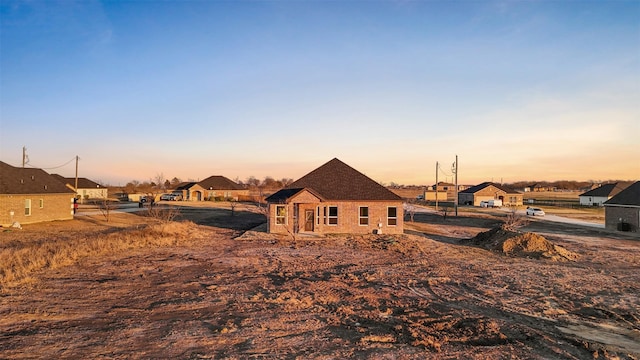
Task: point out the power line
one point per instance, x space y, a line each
55 167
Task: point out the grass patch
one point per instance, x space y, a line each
20 259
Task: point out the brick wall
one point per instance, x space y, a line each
54 207
348 217
613 214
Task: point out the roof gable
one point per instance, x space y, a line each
607 190
14 180
218 182
336 180
284 195
630 196
479 187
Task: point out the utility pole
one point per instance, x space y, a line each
456 175
24 156
436 187
76 184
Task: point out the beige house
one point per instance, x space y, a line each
220 187
212 188
87 189
335 198
30 195
489 191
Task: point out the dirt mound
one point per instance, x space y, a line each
520 244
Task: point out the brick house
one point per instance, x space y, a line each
211 188
87 189
221 187
622 211
335 198
489 191
190 191
30 195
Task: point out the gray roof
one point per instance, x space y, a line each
607 190
479 187
83 183
15 180
336 180
185 185
218 182
630 196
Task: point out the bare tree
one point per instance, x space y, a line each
411 210
106 206
515 221
444 210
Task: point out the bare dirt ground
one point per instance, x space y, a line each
222 292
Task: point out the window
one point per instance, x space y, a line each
392 216
318 217
41 203
281 215
27 207
333 215
364 215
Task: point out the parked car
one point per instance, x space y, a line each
535 211
167 197
484 203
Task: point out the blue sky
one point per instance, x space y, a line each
518 90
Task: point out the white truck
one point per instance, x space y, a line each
494 203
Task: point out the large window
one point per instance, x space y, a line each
333 215
392 216
41 203
281 214
364 215
27 207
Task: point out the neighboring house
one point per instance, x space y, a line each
599 195
212 188
539 188
190 191
335 198
30 195
489 191
622 211
220 187
87 189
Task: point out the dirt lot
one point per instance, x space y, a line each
221 292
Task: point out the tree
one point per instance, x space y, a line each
167 184
175 181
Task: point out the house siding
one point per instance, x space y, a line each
490 193
55 207
614 214
348 217
593 200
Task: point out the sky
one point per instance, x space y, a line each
517 90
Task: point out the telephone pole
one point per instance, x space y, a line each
24 156
436 187
455 172
76 184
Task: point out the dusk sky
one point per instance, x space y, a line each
522 90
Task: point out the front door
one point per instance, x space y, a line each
308 220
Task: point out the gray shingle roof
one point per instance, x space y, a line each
83 183
630 196
607 190
218 182
15 180
479 187
336 180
